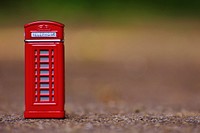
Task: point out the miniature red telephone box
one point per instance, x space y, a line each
44 70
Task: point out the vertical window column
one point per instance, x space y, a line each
37 93
44 76
52 75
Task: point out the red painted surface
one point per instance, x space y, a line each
44 70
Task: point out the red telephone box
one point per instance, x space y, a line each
44 70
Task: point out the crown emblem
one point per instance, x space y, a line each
43 27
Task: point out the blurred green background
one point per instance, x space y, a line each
84 12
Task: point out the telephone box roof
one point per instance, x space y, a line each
44 22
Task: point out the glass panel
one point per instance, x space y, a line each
44 85
52 71
35 52
52 59
36 99
44 78
44 71
44 65
36 85
52 98
52 85
46 59
52 92
52 78
35 92
44 92
44 98
52 65
35 71
44 52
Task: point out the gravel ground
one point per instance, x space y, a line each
93 122
105 110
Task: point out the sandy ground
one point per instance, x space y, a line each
144 80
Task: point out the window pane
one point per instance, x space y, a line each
44 71
44 92
44 78
44 59
44 85
36 99
42 52
44 65
44 98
